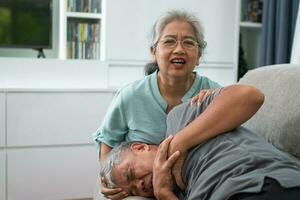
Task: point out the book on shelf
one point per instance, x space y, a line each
89 6
251 10
83 40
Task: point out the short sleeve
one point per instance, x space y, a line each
181 115
114 126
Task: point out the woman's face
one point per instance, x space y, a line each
176 60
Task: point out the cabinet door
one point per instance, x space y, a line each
2 175
51 173
2 119
129 23
54 118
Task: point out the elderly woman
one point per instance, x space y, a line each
139 110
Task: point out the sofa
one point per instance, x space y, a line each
278 120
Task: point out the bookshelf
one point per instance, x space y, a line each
250 35
81 35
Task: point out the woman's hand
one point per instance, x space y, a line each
201 96
109 193
163 183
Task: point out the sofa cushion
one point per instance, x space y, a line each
278 120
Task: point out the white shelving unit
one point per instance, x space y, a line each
81 17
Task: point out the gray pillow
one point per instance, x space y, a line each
278 120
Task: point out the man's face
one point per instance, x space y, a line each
134 173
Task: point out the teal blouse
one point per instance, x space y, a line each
138 112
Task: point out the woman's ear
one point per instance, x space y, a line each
199 57
153 54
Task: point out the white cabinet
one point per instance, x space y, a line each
128 25
49 152
54 118
51 173
2 175
2 120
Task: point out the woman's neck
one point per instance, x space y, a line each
172 90
175 86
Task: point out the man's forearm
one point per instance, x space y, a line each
233 106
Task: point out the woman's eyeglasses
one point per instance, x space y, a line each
186 43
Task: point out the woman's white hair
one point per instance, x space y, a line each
178 15
163 21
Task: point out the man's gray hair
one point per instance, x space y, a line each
114 158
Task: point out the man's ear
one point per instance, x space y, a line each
139 147
153 54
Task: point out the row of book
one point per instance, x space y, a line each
83 40
90 6
83 50
252 10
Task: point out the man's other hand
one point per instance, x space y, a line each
109 193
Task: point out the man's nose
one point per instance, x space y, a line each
139 183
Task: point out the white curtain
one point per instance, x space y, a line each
295 57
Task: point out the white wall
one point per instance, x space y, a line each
137 18
49 153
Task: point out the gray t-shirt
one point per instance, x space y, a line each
231 163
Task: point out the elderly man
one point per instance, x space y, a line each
235 165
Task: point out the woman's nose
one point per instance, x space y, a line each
179 48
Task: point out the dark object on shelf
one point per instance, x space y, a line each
243 66
40 52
